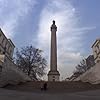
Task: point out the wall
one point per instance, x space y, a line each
92 75
11 74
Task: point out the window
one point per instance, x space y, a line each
6 44
10 51
8 48
98 61
96 52
2 40
98 46
0 68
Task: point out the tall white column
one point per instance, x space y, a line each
53 74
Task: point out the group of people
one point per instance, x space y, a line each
44 86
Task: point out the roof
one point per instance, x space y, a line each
9 40
95 42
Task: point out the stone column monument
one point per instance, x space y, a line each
53 74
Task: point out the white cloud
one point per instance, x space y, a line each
69 56
67 62
11 11
69 33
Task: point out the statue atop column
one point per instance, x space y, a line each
53 26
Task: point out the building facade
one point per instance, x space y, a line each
90 62
6 45
96 50
9 72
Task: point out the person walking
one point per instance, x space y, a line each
45 86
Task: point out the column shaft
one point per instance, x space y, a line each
53 65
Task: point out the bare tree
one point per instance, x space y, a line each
84 65
31 61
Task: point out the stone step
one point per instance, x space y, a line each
54 86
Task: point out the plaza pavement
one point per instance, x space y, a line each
6 94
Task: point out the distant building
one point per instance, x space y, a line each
73 77
90 62
96 50
6 45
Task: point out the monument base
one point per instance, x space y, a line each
53 76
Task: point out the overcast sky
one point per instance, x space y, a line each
78 22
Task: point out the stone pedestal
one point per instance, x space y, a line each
53 76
